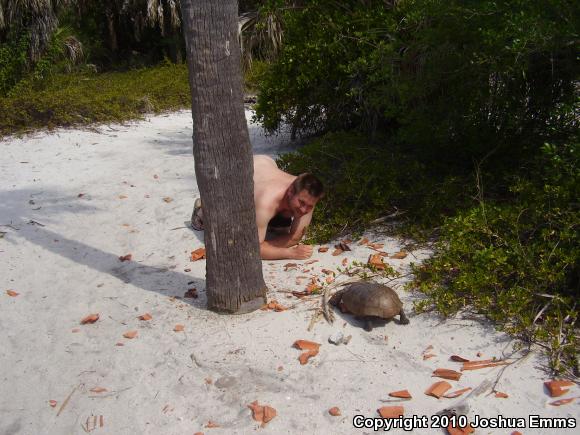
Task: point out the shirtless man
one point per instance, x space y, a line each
279 196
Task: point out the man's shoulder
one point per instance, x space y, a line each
265 205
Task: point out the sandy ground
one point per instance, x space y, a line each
73 201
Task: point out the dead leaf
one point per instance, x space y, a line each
269 414
12 293
501 395
208 381
478 354
198 254
274 305
312 287
456 393
145 316
344 261
262 413
428 355
122 196
191 293
376 261
402 394
52 403
187 270
337 252
98 390
304 357
343 246
329 279
334 411
375 246
447 374
91 318
119 344
391 411
458 358
80 195
558 388
130 334
438 389
323 249
310 262
399 255
306 345
363 241
289 266
280 368
328 272
75 330
211 424
167 199
257 411
563 401
125 257
156 176
178 328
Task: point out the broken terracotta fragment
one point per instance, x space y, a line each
91 318
306 345
447 374
558 388
305 356
391 411
402 394
334 411
438 389
456 393
198 254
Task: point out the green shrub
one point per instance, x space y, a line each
13 63
83 98
517 261
366 181
452 78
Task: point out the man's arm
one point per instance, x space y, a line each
282 247
297 230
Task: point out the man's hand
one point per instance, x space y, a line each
301 252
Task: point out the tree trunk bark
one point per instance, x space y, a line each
111 31
223 157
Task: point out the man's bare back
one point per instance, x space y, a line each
275 195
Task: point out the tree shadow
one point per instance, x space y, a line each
24 224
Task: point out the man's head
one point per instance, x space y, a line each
304 193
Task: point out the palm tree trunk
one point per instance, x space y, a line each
223 156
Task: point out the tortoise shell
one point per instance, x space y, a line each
371 299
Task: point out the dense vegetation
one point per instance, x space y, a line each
463 117
459 117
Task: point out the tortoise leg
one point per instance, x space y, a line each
368 324
403 319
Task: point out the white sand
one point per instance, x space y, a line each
68 268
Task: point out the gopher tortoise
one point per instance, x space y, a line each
368 301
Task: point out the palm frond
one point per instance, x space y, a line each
261 34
